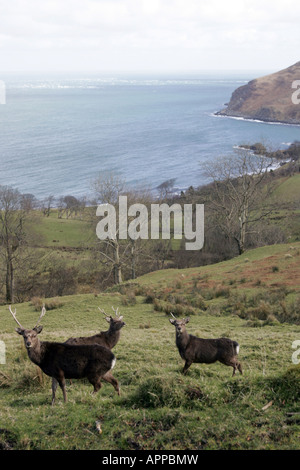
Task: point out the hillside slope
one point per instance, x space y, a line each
268 98
269 266
159 408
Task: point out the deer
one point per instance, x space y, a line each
107 338
206 351
65 361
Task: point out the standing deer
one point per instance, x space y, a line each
65 361
107 338
206 351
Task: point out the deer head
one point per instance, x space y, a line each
29 335
116 322
179 324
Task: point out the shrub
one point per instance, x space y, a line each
261 312
157 305
128 299
157 392
62 280
199 302
50 304
289 312
222 291
150 296
166 391
285 388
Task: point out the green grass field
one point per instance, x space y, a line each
57 233
159 408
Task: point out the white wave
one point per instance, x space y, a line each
238 118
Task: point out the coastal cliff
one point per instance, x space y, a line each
267 98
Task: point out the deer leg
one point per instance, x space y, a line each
186 366
54 387
62 384
236 366
96 382
97 386
108 377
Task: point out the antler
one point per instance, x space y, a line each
15 318
116 311
41 316
102 311
173 315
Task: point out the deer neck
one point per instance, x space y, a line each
36 353
111 337
182 339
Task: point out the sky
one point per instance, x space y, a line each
148 35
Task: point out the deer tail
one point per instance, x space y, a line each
113 363
236 347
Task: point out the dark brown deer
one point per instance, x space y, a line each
65 361
107 338
205 351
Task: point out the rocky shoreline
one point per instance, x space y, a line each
267 99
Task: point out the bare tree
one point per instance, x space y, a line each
239 192
12 233
28 202
117 251
107 188
166 188
46 205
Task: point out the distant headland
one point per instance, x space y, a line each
272 98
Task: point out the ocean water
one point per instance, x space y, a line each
57 133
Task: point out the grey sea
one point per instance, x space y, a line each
57 133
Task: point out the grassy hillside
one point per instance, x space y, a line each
159 408
54 232
285 202
250 268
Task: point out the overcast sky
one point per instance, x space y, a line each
148 35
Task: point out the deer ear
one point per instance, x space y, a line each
20 331
172 321
108 319
186 320
38 329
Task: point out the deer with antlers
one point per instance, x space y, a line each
66 361
205 351
107 338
